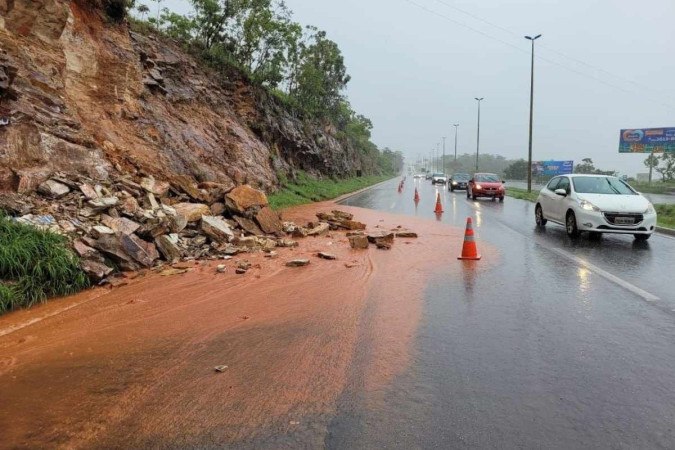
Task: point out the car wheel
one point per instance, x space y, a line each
474 196
539 216
641 237
501 199
594 235
468 194
571 225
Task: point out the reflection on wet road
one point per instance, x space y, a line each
559 344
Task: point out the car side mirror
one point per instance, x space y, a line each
561 192
471 180
503 182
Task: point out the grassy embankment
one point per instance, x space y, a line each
657 187
307 189
35 265
665 213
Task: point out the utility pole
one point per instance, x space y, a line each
478 133
443 161
529 150
456 130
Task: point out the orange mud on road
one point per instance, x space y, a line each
134 366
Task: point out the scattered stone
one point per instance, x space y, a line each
217 229
141 251
272 255
171 271
103 203
120 225
299 232
320 228
185 265
95 269
342 215
351 265
83 250
269 221
158 188
406 234
242 198
243 265
220 368
324 255
297 263
358 241
240 271
221 268
192 212
88 191
287 243
53 189
217 209
168 247
100 230
383 245
248 225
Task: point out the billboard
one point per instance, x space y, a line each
551 168
647 140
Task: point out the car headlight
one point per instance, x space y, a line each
588 206
478 186
454 182
650 209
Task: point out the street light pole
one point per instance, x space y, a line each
529 149
443 161
456 130
478 133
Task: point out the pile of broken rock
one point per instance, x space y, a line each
132 224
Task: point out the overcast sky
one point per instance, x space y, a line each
417 65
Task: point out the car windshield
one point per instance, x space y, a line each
439 174
601 185
461 177
487 178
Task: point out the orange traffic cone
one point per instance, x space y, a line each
417 196
439 207
469 250
400 188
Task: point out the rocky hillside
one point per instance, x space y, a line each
82 95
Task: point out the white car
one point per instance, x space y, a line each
597 204
439 178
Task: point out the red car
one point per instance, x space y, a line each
486 185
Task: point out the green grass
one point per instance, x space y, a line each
307 189
657 187
522 194
665 213
35 265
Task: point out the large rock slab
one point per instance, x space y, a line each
242 198
168 247
269 221
158 188
192 212
248 226
217 229
53 189
141 251
95 269
120 224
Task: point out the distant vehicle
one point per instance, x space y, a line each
486 185
458 181
439 178
419 175
597 204
428 176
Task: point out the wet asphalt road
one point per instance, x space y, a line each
559 343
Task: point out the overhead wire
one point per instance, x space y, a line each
544 46
520 49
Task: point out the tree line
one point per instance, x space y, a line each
300 65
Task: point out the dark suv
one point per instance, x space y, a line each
459 181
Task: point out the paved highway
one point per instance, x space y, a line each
552 343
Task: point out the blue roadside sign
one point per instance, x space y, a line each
647 140
551 168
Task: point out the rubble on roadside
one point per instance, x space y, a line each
130 223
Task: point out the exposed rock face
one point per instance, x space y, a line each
82 95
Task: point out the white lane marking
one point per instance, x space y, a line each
603 273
